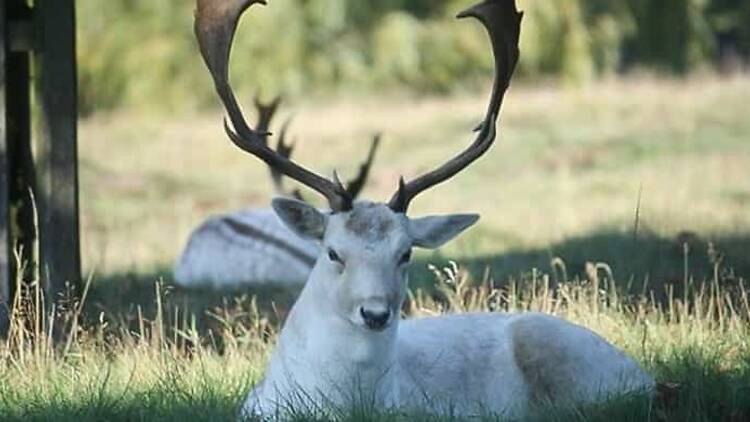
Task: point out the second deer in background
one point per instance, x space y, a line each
252 247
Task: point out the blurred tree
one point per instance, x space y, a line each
142 52
730 21
671 35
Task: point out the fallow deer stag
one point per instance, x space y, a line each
343 341
253 247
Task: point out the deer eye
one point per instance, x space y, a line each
334 257
405 258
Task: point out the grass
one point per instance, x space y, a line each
168 368
623 207
570 165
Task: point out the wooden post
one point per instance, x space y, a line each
56 154
18 115
15 141
5 247
48 36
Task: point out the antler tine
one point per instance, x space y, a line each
266 113
215 26
502 21
354 186
285 150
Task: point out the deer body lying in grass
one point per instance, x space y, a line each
252 247
343 343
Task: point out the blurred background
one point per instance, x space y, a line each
624 137
142 53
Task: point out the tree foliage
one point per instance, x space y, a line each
142 52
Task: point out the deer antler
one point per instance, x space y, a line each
215 26
502 21
354 186
285 150
266 112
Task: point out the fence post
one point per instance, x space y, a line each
5 247
45 35
57 156
16 206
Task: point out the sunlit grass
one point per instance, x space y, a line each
569 164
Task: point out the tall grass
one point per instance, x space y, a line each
130 367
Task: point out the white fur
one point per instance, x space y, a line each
462 364
218 256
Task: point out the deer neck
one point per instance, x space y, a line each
322 351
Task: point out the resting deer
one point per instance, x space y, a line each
252 246
343 340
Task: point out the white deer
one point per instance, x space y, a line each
252 247
343 340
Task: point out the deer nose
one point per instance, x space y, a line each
375 320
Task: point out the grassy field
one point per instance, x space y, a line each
565 179
168 369
624 207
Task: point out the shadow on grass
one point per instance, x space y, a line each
128 299
707 386
639 264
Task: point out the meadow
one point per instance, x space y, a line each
623 205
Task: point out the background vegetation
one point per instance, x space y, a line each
142 52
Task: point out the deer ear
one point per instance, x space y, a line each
433 232
301 218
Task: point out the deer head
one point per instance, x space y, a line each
361 272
